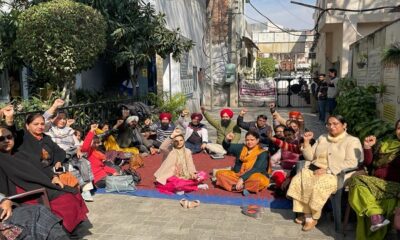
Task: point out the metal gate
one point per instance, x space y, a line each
293 92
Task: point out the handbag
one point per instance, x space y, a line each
122 183
135 175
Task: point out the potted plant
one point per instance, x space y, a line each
362 60
391 55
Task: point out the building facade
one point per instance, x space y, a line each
291 49
338 29
367 68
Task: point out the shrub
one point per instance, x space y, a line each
61 38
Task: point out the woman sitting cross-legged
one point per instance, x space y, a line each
375 197
251 165
332 153
177 173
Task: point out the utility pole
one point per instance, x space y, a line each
210 55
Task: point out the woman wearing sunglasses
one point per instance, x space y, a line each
21 171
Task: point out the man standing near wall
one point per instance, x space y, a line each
332 82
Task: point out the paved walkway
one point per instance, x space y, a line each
127 217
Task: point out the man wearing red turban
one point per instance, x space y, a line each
223 126
226 112
163 130
196 133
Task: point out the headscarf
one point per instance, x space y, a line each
197 115
227 111
132 118
388 151
165 115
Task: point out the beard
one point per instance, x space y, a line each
225 123
164 125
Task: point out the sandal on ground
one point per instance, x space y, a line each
184 203
193 204
299 220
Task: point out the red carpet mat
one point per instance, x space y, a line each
204 162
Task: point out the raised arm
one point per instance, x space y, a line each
240 120
213 122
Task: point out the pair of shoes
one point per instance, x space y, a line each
189 204
299 220
309 225
87 196
378 222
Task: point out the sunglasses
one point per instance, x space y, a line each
3 138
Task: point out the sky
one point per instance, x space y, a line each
283 13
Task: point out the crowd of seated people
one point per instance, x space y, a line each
266 158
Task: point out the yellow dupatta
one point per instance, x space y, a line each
249 157
110 144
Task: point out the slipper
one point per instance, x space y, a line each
184 203
193 204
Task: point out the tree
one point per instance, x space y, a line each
266 67
9 12
59 39
136 33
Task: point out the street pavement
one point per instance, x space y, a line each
127 217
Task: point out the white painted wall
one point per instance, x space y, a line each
190 17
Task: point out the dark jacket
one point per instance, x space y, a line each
30 149
323 90
131 137
263 132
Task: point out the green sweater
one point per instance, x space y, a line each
223 131
260 166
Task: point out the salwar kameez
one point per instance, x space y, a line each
175 184
370 196
255 183
310 192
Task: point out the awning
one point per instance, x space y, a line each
249 42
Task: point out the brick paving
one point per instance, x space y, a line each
127 217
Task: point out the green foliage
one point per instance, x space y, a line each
163 103
8 25
136 32
60 38
266 67
391 55
346 84
357 104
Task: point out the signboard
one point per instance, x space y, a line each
262 90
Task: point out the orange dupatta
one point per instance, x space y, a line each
249 158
